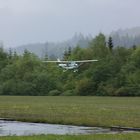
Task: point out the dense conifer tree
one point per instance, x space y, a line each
110 43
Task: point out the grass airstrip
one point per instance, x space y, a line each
82 137
87 111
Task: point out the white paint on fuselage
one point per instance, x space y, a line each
69 66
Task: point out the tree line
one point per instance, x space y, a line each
117 73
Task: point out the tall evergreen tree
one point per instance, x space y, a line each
65 55
110 43
46 57
134 47
10 54
69 51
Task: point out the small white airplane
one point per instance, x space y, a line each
70 65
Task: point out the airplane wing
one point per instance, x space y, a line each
56 61
85 61
80 61
51 61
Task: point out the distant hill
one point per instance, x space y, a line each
54 49
126 37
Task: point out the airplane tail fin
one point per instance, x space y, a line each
58 60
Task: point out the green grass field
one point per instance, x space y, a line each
88 111
85 137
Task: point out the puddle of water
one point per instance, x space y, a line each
23 129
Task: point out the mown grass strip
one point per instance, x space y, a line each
135 136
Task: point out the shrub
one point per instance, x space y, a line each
54 92
128 91
68 93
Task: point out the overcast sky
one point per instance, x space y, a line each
30 21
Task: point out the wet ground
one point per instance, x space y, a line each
22 128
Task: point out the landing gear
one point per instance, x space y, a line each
64 70
76 70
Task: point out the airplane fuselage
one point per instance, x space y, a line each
69 66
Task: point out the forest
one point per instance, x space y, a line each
117 73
